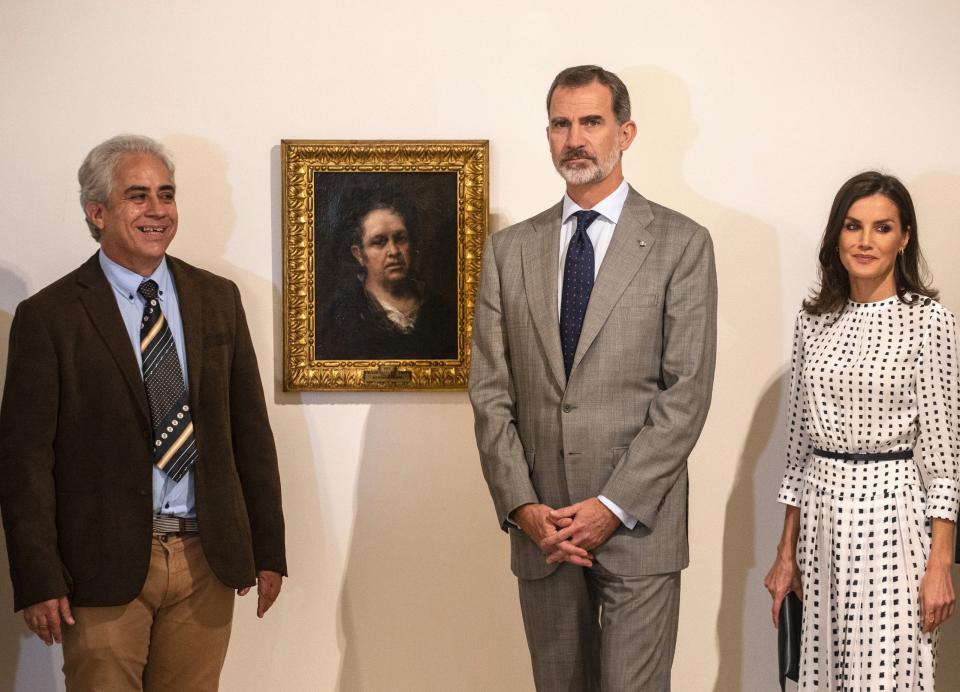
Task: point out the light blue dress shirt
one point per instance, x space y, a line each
169 497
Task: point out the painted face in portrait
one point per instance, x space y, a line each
586 141
869 242
139 220
385 251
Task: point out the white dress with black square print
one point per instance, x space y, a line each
875 377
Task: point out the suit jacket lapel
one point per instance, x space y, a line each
191 311
98 300
629 246
540 258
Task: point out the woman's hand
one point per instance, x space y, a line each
936 587
936 596
783 577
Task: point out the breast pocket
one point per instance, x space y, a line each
216 339
636 300
635 328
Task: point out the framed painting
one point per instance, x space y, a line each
382 243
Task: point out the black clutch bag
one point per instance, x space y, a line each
788 638
956 552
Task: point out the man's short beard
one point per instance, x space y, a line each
592 173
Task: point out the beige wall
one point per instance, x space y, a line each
750 113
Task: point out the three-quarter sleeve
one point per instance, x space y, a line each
937 391
798 442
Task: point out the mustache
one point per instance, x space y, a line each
578 153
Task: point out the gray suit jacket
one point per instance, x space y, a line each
638 393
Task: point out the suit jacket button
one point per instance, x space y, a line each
567 408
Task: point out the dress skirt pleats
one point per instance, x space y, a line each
862 552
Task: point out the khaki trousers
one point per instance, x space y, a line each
172 637
591 630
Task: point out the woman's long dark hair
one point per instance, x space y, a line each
910 270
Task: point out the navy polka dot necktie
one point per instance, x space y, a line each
174 446
577 285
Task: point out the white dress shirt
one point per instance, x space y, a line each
600 232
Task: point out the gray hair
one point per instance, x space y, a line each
582 75
98 168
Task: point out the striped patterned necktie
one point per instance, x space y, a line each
577 286
174 447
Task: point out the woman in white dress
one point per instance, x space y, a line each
872 483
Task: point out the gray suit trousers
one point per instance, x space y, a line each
593 631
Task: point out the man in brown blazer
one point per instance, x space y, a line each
135 501
593 357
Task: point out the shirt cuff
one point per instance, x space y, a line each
624 518
943 499
791 489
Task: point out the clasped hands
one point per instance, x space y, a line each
567 534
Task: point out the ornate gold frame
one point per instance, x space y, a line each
300 160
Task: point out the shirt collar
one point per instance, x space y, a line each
610 207
126 282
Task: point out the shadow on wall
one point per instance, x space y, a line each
746 637
744 629
13 289
283 639
749 363
938 215
948 663
498 221
23 657
421 597
422 605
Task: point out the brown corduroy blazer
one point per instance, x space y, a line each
75 433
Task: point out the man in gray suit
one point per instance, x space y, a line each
593 357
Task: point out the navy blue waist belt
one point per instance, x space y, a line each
880 456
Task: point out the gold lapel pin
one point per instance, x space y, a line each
643 243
